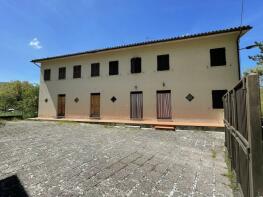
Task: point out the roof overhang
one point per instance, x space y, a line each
241 29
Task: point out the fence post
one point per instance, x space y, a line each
254 135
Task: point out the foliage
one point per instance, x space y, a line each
259 63
213 151
261 100
230 173
259 57
20 96
15 113
257 69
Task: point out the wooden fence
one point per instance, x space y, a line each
244 136
11 115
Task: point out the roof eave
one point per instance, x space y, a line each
243 30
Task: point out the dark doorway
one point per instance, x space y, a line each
61 105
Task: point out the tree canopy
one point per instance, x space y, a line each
259 57
21 96
259 63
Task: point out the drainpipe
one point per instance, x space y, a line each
238 55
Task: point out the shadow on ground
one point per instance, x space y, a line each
12 187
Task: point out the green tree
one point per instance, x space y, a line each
257 69
7 96
29 102
21 96
259 57
259 63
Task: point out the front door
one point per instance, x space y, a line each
136 107
95 105
164 104
61 105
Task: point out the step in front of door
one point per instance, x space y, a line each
164 127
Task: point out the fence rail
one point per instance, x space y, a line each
10 115
243 134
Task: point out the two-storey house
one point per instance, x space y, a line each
180 78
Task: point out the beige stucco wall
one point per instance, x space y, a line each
190 72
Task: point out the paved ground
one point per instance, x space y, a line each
69 159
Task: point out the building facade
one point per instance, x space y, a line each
181 78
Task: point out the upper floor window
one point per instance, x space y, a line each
136 65
218 57
163 62
217 98
47 74
62 73
113 68
77 71
95 69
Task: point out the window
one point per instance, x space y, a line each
217 96
47 74
62 73
77 72
218 57
113 68
136 65
95 69
162 62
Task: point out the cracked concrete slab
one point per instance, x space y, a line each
76 159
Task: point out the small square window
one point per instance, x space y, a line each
217 98
163 62
95 70
47 74
218 57
77 71
136 65
62 73
113 68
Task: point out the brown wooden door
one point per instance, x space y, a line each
61 105
164 110
136 107
95 105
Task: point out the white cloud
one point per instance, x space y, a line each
35 43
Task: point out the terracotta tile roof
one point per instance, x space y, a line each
240 28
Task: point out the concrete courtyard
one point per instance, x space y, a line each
76 159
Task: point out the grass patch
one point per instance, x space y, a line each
213 151
230 173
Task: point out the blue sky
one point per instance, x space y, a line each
32 29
